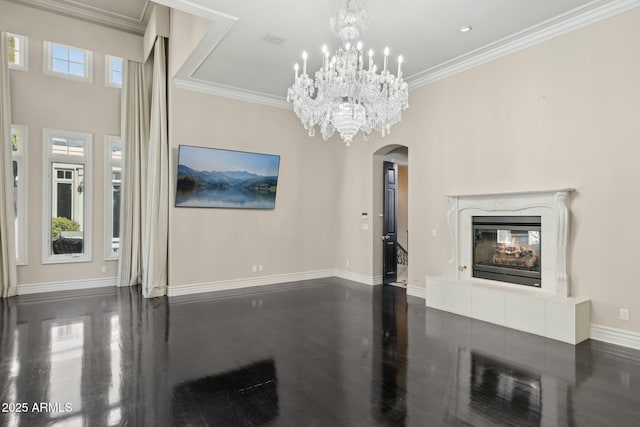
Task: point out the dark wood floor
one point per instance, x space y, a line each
318 353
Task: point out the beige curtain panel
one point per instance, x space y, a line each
145 194
156 226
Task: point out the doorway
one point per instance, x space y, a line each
391 194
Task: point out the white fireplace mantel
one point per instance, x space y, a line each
549 310
551 206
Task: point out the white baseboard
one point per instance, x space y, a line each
223 285
357 277
615 336
71 285
417 291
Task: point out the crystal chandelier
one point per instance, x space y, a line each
344 95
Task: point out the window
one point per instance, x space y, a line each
17 49
19 158
114 71
66 196
113 188
68 62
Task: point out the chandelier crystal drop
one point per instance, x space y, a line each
345 95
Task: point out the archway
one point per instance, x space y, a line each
399 155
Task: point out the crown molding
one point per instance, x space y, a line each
575 19
572 20
91 14
221 25
231 92
195 8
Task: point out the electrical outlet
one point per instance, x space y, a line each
260 267
104 268
624 314
348 263
434 232
254 268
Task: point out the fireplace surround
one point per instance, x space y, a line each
552 209
537 230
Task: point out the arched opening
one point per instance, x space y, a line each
390 209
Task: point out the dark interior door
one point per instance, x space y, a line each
390 225
64 200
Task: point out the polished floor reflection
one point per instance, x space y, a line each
317 353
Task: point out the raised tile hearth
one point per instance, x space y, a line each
545 307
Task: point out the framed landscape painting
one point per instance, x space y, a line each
215 178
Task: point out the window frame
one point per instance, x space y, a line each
108 72
21 156
47 63
109 140
48 159
24 52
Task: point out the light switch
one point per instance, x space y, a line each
434 232
365 226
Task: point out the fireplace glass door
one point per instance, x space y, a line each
507 249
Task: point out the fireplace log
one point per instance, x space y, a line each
527 261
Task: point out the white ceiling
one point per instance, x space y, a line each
425 32
233 59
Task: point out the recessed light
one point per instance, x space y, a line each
465 29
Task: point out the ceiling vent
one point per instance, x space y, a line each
275 39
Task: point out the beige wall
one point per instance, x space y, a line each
49 102
560 114
208 245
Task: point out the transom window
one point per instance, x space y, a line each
67 147
67 196
17 48
67 61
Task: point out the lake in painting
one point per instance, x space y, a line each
213 178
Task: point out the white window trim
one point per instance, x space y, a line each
47 158
108 70
21 157
47 67
24 53
108 200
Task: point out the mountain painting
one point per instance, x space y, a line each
215 178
